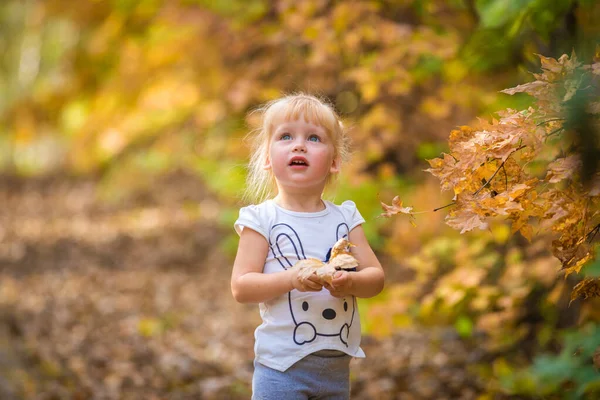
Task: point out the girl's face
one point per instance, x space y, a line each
301 155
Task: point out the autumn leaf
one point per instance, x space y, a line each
466 222
397 208
530 88
446 170
589 287
573 253
576 262
341 247
341 259
527 232
563 168
307 267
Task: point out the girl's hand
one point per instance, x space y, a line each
341 285
312 284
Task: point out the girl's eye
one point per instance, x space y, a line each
314 138
285 136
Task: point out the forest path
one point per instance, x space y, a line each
133 301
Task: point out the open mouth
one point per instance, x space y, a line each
298 161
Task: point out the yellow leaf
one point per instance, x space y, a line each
395 208
527 232
575 266
589 287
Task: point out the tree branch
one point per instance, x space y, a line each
497 169
592 234
447 205
549 120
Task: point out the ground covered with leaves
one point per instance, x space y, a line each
131 300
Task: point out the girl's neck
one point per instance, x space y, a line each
299 202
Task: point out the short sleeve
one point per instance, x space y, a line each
351 214
250 217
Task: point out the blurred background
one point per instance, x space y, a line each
122 162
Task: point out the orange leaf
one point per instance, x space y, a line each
589 287
563 168
466 222
395 208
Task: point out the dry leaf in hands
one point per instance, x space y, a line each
307 268
343 261
340 259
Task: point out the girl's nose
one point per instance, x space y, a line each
299 147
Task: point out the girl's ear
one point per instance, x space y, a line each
335 166
267 164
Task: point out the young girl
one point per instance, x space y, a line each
310 328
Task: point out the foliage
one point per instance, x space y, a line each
573 372
128 91
137 89
511 30
527 167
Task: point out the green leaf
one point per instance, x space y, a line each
496 13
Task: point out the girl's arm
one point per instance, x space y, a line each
367 281
249 284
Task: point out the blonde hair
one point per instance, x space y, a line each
260 183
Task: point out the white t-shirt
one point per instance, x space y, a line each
300 323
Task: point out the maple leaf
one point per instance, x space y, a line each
521 224
551 64
342 246
340 259
397 208
464 132
501 205
521 189
527 232
587 288
446 170
530 88
576 262
563 168
466 222
343 261
468 213
494 168
307 267
573 252
566 209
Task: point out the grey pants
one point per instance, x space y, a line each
321 375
